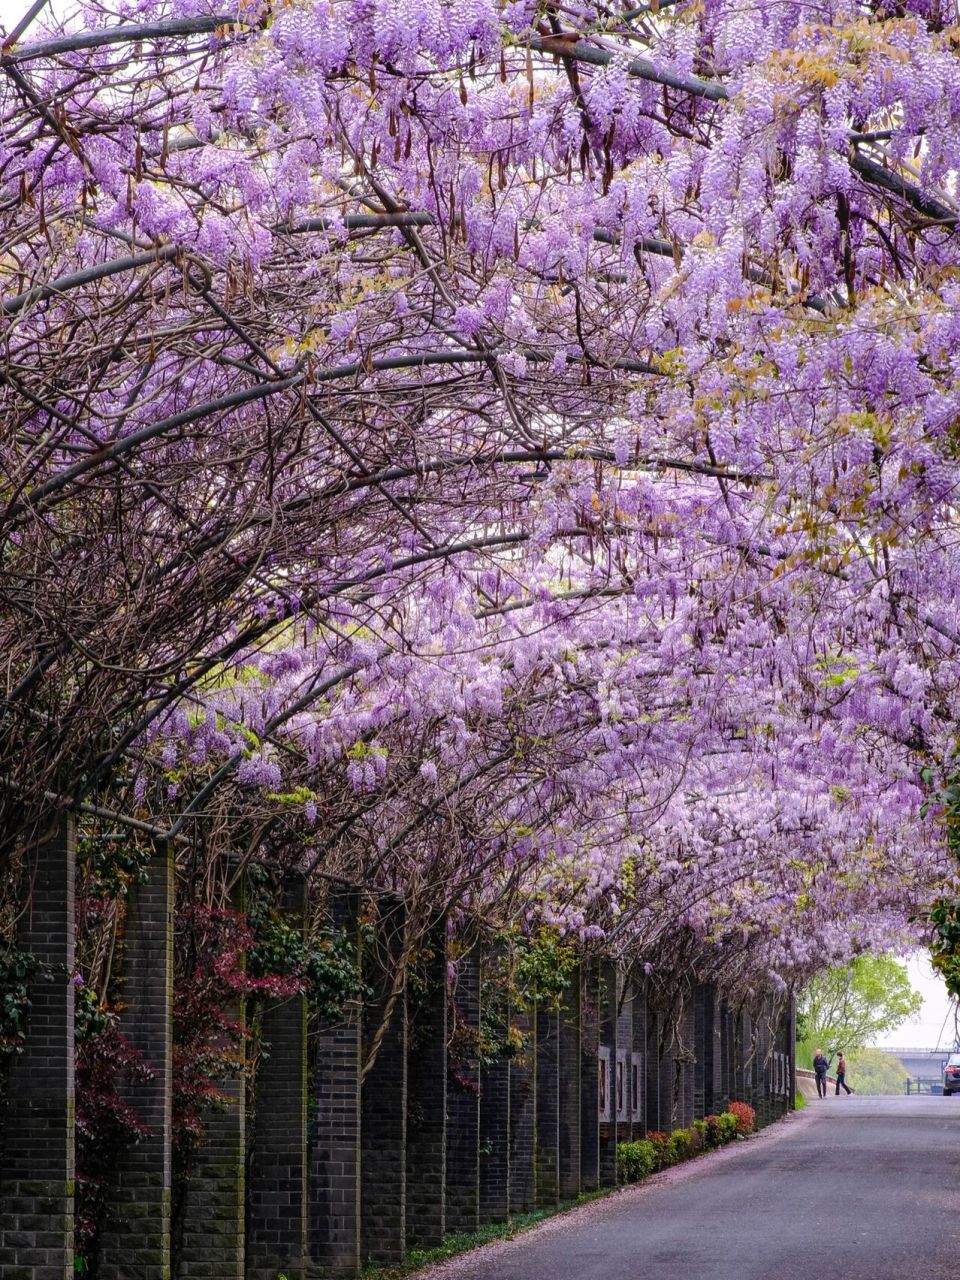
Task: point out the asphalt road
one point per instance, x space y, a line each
856 1189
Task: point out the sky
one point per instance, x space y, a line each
934 1027
11 11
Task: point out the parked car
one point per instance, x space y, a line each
951 1075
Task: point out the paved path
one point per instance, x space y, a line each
858 1189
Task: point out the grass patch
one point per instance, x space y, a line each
462 1241
799 1102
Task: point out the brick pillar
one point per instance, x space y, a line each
638 1059
689 1066
427 1099
523 1118
277 1179
494 1112
700 1000
383 1098
763 1071
210 1242
621 1068
792 1051
589 1076
333 1228
729 1026
743 1067
652 1109
37 1168
548 1107
609 990
667 1074
135 1240
710 1047
463 1104
569 1090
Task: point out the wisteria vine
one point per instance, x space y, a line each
503 453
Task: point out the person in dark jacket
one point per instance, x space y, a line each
821 1065
841 1074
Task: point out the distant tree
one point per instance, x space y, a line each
873 1072
849 1006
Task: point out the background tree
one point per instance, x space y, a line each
875 1073
848 1006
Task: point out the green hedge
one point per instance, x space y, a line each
637 1160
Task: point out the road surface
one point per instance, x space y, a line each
857 1189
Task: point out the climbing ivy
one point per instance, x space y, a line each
324 963
532 971
17 967
109 866
542 971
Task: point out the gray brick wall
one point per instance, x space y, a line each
135 1237
383 1126
334 1175
569 1086
621 1065
495 1079
686 1100
334 1187
638 1063
523 1117
277 1168
210 1242
609 989
589 1083
37 1168
427 1098
548 1107
463 1109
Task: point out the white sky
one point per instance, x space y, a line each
934 1026
11 11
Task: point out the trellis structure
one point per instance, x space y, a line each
354 1153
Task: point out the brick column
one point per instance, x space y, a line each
589 1076
548 1107
638 1060
689 1066
277 1180
792 1051
494 1115
523 1117
621 1066
427 1099
743 1086
609 990
763 1071
210 1243
135 1240
667 1074
710 1047
652 1109
37 1166
569 1090
383 1099
700 994
334 1176
463 1107
729 1042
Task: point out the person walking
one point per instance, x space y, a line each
821 1065
841 1074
